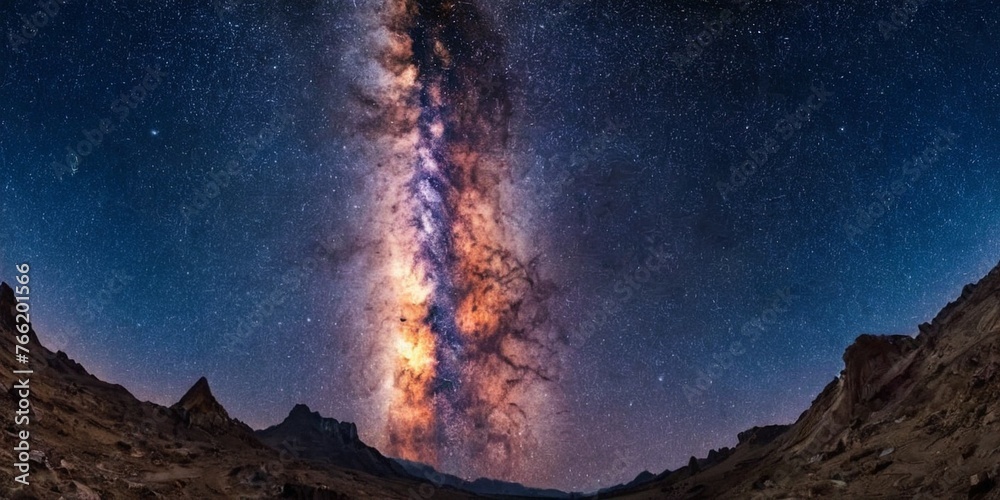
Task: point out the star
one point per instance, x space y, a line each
631 119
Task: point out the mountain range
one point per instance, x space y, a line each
908 417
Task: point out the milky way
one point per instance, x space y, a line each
468 364
429 319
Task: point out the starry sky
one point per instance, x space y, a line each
723 195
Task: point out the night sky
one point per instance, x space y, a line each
722 196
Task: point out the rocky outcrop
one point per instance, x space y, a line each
874 368
760 435
198 407
198 410
306 435
92 439
918 417
871 364
908 416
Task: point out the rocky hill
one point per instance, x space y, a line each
908 417
93 440
306 435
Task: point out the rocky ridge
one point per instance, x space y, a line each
93 440
908 417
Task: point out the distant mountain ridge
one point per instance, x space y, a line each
482 486
918 416
92 440
305 435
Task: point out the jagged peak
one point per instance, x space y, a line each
198 392
301 413
199 400
301 410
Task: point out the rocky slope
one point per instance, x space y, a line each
491 488
907 418
306 435
93 440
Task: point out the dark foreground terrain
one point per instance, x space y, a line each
93 440
907 418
